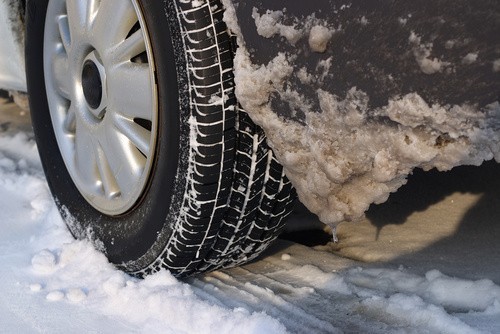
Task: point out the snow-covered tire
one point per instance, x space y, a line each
211 192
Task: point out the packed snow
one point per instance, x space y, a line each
53 283
346 155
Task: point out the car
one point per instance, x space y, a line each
171 132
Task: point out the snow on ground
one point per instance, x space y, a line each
53 283
50 282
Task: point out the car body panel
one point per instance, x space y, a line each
445 49
12 69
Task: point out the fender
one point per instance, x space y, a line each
12 70
447 51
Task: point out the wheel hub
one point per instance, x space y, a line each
94 84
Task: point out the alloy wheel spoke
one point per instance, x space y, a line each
77 17
109 183
125 162
70 121
60 69
138 136
130 89
85 159
64 31
112 23
131 47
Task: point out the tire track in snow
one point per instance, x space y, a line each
291 291
311 291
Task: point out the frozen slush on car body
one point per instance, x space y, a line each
354 95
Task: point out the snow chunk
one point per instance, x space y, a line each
319 36
197 3
76 295
44 262
55 296
470 58
285 257
422 54
269 24
496 65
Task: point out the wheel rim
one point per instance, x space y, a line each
101 92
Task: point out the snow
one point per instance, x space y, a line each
319 37
271 24
422 53
496 65
268 25
470 58
50 282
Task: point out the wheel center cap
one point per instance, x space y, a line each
92 84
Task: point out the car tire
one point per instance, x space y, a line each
191 186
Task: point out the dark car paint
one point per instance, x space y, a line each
375 54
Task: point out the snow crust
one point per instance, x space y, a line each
346 156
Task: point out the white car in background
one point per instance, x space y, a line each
144 113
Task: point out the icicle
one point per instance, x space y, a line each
334 234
